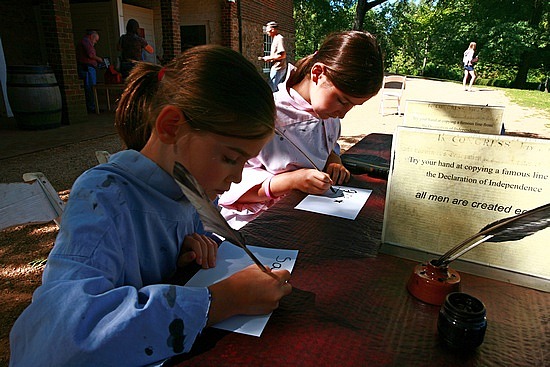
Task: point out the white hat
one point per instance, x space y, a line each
270 25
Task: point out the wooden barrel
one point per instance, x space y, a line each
34 96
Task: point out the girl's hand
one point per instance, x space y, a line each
199 248
311 181
338 173
336 170
248 292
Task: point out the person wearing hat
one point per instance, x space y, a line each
277 56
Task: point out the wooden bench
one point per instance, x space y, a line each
107 88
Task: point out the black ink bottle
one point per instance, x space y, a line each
462 321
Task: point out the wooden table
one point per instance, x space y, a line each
350 306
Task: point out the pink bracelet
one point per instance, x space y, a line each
267 189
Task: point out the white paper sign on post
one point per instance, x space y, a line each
446 186
454 117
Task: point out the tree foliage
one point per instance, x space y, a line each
363 6
429 36
516 34
511 35
315 19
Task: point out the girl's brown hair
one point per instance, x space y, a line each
353 61
216 88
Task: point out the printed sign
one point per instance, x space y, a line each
446 186
454 117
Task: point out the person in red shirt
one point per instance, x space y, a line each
88 61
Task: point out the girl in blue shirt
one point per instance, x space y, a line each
105 297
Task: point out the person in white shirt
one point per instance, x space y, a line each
277 56
468 60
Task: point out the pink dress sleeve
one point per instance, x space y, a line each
238 214
296 120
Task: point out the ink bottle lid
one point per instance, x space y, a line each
462 321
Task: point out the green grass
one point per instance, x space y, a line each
529 98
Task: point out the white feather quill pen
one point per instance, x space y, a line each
211 218
503 230
282 135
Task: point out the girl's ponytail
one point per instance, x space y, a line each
133 111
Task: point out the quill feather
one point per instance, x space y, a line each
281 134
523 225
503 230
211 218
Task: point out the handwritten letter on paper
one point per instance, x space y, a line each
232 259
346 204
446 186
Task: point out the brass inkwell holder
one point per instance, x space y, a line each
431 282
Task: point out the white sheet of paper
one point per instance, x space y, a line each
346 206
232 259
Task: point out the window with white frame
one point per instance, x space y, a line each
267 50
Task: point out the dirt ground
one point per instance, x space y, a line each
23 250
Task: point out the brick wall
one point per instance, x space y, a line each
207 13
60 51
171 38
254 15
230 25
19 32
226 26
40 32
42 35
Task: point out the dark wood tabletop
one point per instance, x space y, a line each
350 305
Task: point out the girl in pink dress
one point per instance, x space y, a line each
346 71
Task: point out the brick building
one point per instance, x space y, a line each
45 32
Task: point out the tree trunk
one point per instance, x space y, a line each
526 57
363 6
523 69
